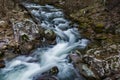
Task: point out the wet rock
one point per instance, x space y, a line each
1 54
49 75
27 47
11 53
83 68
75 58
50 35
101 37
25 29
2 63
87 72
27 33
54 71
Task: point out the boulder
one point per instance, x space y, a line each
104 61
83 68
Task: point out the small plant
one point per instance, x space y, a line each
25 38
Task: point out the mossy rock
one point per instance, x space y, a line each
54 71
84 25
25 37
49 34
100 25
101 37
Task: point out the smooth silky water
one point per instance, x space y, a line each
43 59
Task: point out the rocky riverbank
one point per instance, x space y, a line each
19 34
100 24
98 21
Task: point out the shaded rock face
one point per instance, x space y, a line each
66 4
2 64
110 4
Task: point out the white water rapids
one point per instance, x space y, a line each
43 59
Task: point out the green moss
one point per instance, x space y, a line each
83 25
101 37
99 25
25 37
54 71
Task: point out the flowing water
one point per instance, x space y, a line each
43 59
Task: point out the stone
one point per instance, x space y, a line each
54 71
87 71
75 58
3 24
101 36
2 63
66 5
50 35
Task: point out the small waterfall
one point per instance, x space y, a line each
43 59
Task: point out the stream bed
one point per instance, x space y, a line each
34 66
